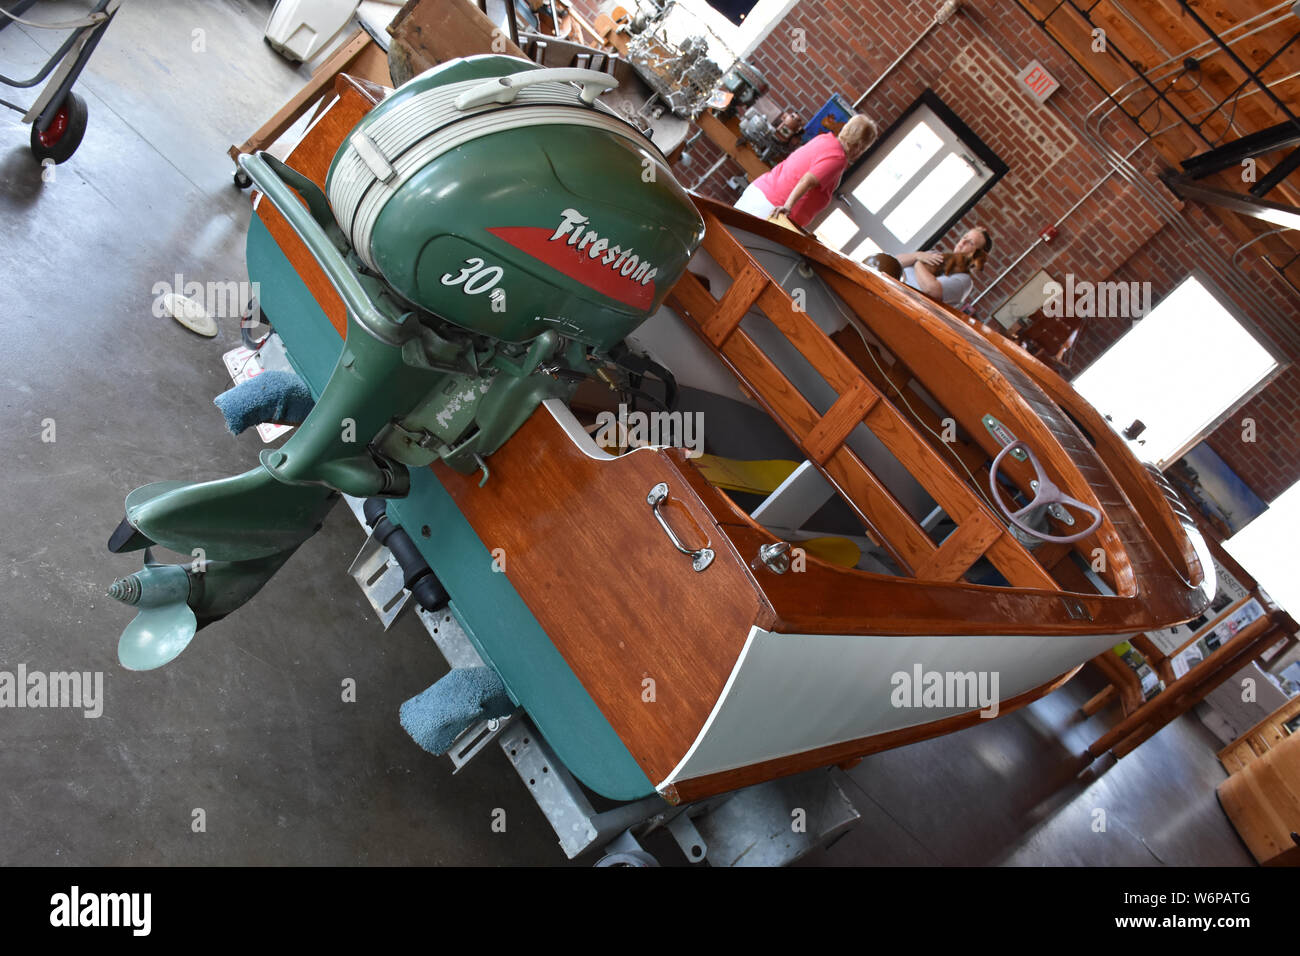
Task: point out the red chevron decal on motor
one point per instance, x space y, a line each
587 257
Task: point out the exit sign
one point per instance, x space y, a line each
1036 81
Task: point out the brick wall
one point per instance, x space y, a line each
971 62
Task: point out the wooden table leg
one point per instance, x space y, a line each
1099 700
1176 700
1196 694
1123 678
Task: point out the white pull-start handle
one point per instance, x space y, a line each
505 88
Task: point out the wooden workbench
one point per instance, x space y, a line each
1260 739
1263 802
726 134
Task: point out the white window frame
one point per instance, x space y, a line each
690 17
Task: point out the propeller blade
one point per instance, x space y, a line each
156 636
165 624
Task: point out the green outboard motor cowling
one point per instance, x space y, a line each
490 193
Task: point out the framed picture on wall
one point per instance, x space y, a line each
1216 490
1027 300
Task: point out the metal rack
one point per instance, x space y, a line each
1225 272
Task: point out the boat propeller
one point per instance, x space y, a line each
239 530
166 623
176 601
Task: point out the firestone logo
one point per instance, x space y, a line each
623 261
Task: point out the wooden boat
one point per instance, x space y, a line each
667 632
757 673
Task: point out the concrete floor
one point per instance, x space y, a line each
249 724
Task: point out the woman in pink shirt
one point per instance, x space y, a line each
802 184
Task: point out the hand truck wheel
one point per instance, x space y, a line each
64 134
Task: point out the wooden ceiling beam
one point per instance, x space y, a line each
1152 31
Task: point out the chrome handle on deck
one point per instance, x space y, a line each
701 558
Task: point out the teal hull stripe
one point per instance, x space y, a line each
499 624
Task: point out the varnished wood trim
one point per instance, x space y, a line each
581 546
829 600
807 336
894 382
961 549
1153 508
1017 564
689 297
935 332
859 401
876 506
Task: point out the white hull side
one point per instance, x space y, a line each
790 693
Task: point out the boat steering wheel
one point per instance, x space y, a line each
1047 494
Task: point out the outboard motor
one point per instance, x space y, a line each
542 211
495 232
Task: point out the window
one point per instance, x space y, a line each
1180 370
1266 548
727 40
836 229
734 10
922 175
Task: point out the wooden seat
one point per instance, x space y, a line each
823 437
